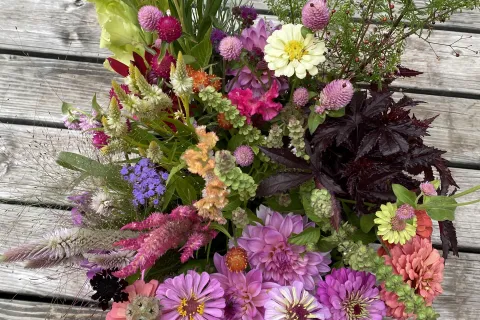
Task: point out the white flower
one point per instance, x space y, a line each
288 52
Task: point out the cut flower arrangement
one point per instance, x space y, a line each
242 172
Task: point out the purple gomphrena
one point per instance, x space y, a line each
315 15
230 48
148 17
301 97
244 156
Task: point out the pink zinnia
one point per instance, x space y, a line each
141 302
148 17
428 189
191 296
268 250
336 95
230 48
420 265
245 293
315 15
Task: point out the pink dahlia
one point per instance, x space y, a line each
148 17
245 293
428 189
351 295
301 97
244 156
336 95
268 250
191 296
169 29
230 48
141 304
420 265
315 15
294 303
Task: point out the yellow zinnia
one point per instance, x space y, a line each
393 229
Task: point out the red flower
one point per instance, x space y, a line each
424 224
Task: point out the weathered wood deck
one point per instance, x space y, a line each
49 53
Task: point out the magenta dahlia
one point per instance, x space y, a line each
148 17
294 303
315 14
191 296
351 295
169 29
230 48
336 95
245 293
268 249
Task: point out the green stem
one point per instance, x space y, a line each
426 207
464 193
354 202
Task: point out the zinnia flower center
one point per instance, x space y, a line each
297 312
189 308
295 50
236 259
398 224
143 308
356 308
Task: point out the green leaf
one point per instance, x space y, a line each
326 244
351 215
440 208
174 171
95 105
436 183
404 195
252 217
366 238
309 235
167 196
307 206
203 51
197 265
185 191
221 228
366 222
189 59
336 113
314 120
66 107
236 141
306 31
162 5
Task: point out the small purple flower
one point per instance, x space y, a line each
191 296
148 17
405 212
294 303
230 48
351 294
148 183
86 123
81 205
244 156
301 97
77 217
336 95
216 36
268 249
315 15
428 189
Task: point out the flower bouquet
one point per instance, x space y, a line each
242 172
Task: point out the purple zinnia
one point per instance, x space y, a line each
428 189
230 48
148 183
336 95
191 296
294 303
405 212
244 156
148 17
351 295
315 15
245 293
301 97
268 249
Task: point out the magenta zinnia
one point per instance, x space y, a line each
268 250
191 297
245 293
351 295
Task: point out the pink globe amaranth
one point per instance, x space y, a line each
148 17
169 29
301 97
230 48
336 95
315 15
244 156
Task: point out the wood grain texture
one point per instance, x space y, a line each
26 310
23 224
60 27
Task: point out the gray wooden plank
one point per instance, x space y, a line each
61 27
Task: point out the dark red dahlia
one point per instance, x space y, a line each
169 29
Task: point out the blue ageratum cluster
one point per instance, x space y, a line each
148 182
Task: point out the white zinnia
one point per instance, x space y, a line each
288 52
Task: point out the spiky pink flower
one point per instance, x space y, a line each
336 95
428 189
230 48
165 232
301 97
268 249
162 68
148 17
315 15
169 29
244 156
245 293
405 212
100 139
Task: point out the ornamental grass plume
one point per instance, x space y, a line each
350 294
269 250
420 265
191 296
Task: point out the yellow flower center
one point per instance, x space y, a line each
295 50
189 308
